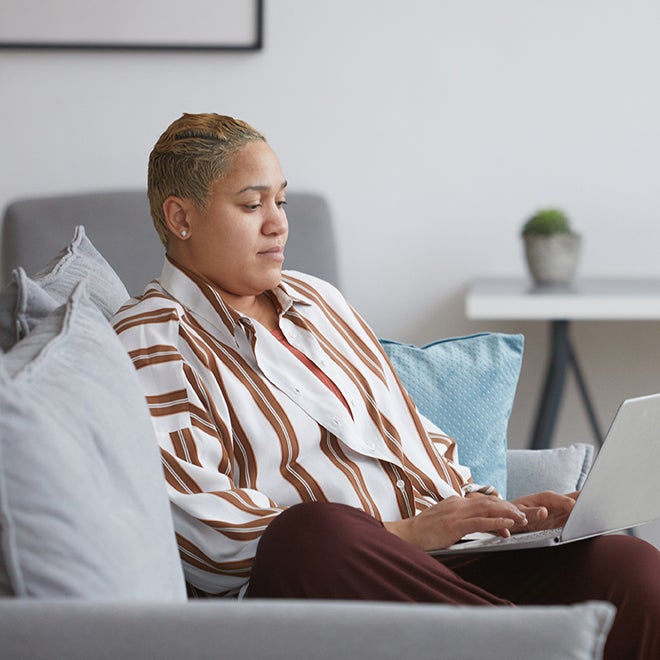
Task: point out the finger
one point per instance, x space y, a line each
539 513
499 526
560 504
492 507
551 500
537 519
566 501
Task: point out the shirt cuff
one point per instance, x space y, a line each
478 488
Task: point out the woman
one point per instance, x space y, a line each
296 463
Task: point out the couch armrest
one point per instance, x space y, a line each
298 630
561 469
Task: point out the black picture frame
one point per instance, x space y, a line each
18 33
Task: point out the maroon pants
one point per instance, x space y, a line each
320 550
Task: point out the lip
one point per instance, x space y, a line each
276 253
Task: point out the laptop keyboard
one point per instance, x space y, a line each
525 536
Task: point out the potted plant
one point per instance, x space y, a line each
552 248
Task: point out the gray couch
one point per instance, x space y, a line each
88 560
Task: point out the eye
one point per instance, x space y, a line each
252 207
281 203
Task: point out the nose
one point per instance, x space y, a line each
275 220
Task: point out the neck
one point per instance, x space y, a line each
260 308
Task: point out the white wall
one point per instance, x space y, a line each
433 126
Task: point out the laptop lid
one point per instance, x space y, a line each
621 491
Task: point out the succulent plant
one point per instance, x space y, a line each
546 222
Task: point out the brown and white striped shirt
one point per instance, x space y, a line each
246 429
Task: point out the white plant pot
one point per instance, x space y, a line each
552 259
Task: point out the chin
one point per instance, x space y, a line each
268 283
274 279
275 283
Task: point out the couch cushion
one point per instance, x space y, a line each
83 506
78 261
562 469
466 386
297 629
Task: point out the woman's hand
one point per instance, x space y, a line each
544 510
446 522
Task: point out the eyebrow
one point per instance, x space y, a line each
262 188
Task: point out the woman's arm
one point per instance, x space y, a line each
218 515
448 521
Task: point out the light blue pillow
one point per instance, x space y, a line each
466 386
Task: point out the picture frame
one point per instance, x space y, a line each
209 25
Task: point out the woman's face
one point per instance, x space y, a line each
238 241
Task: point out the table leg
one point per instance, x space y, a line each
562 357
546 416
586 399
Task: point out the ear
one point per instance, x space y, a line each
176 212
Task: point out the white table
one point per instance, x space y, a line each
592 299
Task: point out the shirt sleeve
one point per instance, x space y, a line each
218 521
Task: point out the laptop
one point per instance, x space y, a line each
622 489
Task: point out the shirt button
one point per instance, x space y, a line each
401 484
296 390
335 422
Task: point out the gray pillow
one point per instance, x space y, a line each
562 469
23 304
78 261
83 505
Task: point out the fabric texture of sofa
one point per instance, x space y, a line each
88 559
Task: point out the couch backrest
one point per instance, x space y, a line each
119 224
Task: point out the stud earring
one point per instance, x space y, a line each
184 233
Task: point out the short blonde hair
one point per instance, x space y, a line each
191 155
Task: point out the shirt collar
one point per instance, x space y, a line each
203 298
